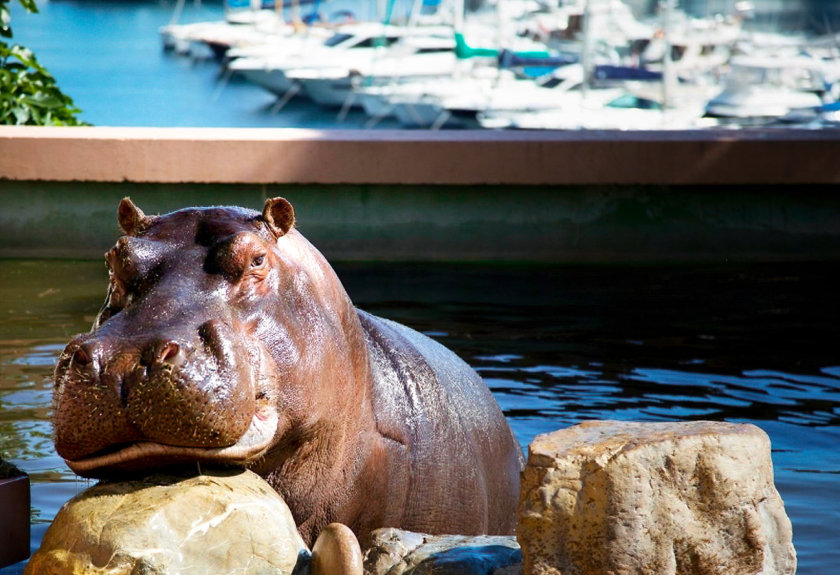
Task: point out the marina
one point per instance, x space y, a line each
574 65
509 64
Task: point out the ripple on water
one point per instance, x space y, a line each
44 355
578 344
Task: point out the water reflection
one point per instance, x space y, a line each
43 304
556 345
748 344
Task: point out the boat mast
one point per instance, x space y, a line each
666 9
586 49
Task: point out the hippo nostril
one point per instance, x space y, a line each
81 357
123 392
168 352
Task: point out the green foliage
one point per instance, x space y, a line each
28 92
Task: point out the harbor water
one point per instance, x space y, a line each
556 344
108 57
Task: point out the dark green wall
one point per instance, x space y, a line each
481 223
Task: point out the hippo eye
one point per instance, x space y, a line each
258 261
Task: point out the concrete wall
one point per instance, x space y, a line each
461 196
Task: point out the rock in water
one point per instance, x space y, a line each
336 552
217 523
399 552
653 498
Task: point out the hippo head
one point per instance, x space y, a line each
198 351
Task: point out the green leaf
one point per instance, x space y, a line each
43 100
21 115
23 54
15 66
28 92
29 5
5 21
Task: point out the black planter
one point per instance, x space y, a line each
14 519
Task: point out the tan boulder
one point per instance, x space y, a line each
217 523
622 498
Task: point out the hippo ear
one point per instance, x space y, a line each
279 214
132 220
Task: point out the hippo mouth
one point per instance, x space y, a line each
253 444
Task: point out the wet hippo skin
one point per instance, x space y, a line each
227 338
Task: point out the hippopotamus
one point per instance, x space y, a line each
227 338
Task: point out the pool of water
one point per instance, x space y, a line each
557 345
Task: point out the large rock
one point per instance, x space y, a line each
224 522
618 498
398 552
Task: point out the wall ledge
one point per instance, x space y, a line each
300 156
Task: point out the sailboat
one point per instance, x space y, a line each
351 47
759 89
253 23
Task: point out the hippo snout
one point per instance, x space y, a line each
123 368
114 389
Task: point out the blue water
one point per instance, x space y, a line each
557 345
108 57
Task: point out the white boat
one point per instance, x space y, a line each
384 100
635 106
419 104
761 103
413 58
352 46
266 70
698 47
457 101
587 117
202 39
564 26
268 45
468 83
763 88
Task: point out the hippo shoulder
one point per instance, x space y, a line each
422 390
451 437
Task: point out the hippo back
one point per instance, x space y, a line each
449 438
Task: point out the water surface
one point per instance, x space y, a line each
557 345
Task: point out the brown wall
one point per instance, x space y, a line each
246 156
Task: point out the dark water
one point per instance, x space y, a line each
557 345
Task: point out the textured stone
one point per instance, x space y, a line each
623 498
217 523
398 552
336 552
